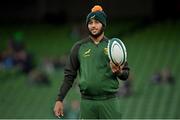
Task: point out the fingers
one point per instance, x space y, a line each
112 64
116 68
58 113
58 109
61 113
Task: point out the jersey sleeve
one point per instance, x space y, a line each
70 72
125 72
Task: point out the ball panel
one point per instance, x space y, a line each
110 51
124 53
117 51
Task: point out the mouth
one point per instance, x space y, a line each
93 30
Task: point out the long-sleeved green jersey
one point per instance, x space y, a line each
96 80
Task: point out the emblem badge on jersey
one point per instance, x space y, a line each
87 53
106 51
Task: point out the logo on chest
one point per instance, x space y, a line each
87 53
106 51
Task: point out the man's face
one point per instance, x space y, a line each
95 28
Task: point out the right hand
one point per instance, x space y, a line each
116 68
58 109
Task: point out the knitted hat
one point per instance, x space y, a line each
98 14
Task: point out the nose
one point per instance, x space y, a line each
93 24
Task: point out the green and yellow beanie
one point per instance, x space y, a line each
98 14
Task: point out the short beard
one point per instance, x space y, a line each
98 34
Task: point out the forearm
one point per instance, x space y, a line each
70 72
67 84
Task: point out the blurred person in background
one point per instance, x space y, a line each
156 78
24 61
15 57
14 44
38 77
7 56
164 76
167 76
98 80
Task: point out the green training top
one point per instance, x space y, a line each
90 60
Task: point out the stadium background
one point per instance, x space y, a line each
48 28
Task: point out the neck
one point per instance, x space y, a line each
97 39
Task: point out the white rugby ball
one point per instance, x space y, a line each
117 51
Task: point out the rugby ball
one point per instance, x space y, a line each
117 51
